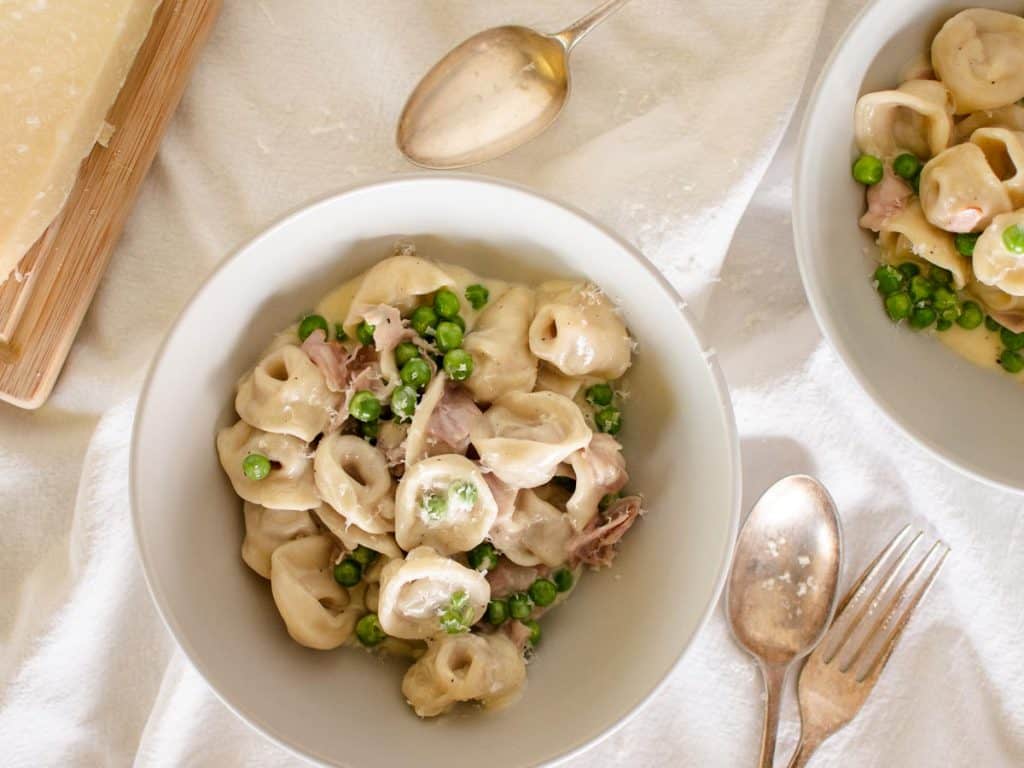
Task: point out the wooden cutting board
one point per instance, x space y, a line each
42 306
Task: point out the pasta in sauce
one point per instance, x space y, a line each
427 464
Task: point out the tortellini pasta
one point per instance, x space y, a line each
959 190
290 482
1010 117
484 668
995 264
909 228
600 469
979 55
352 536
534 532
353 477
445 503
523 438
1004 151
916 117
267 529
578 330
315 608
286 393
427 595
395 282
500 346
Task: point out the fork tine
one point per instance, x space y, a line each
842 628
896 630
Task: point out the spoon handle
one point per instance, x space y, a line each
774 678
803 752
576 31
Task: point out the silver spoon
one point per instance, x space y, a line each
492 93
782 588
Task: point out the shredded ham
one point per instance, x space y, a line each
388 329
886 198
599 469
504 496
452 419
330 357
1012 321
508 577
518 633
346 371
595 545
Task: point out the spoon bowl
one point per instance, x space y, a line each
782 587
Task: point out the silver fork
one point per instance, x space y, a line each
843 669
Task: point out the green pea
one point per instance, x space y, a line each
415 373
941 276
364 332
1012 341
965 242
563 579
1012 362
889 279
608 420
370 430
364 555
497 612
348 572
906 166
312 323
922 317
1013 238
520 606
339 332
534 628
898 306
458 364
483 557
464 491
868 170
991 324
449 336
942 324
403 403
477 295
921 288
543 592
423 320
607 500
364 406
909 269
949 314
446 303
459 322
405 352
435 505
256 466
943 298
971 316
600 394
369 630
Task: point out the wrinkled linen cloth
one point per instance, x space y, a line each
678 111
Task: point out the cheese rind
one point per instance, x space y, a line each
62 64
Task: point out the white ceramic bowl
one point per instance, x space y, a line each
603 653
965 415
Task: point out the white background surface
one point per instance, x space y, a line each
678 110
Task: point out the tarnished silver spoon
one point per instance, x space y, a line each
492 93
782 588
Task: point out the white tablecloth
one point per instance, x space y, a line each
678 110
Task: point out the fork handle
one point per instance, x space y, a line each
774 679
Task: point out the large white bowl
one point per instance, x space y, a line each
605 652
965 415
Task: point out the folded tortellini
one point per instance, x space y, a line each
523 437
445 503
427 595
577 329
500 345
315 608
532 532
979 55
398 282
1004 152
286 393
290 482
1010 117
959 190
353 477
917 117
352 536
484 668
267 529
996 265
600 469
909 230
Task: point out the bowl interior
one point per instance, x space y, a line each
602 653
964 414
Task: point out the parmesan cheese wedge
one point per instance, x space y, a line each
62 64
